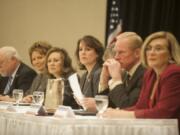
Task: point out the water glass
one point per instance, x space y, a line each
101 103
38 97
18 95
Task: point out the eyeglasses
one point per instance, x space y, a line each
155 49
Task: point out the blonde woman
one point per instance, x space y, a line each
160 92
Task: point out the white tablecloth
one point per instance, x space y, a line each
23 124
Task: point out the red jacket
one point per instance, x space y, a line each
166 102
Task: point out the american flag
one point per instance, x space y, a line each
114 21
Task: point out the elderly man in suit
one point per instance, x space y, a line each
14 73
125 71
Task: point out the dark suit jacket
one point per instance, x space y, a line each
89 86
23 79
68 96
124 96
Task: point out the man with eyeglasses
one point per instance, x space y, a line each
14 73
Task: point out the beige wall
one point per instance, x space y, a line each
61 22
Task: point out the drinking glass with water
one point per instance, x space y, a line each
38 97
101 103
18 95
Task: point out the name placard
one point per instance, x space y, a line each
64 112
4 105
36 110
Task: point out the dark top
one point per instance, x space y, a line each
68 96
40 84
89 86
23 79
123 95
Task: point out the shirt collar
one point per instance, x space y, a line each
133 69
15 71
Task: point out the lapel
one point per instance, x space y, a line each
90 80
83 80
136 76
16 77
95 68
38 81
3 82
149 80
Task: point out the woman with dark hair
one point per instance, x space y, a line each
60 57
59 65
89 53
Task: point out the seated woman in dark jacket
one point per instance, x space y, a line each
89 52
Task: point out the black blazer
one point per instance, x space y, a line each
123 96
23 79
89 86
68 96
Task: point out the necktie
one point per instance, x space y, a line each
127 79
8 86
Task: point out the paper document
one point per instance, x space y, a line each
74 83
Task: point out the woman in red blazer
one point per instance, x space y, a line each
160 92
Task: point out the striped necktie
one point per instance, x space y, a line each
8 86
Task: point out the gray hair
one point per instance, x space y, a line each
10 52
